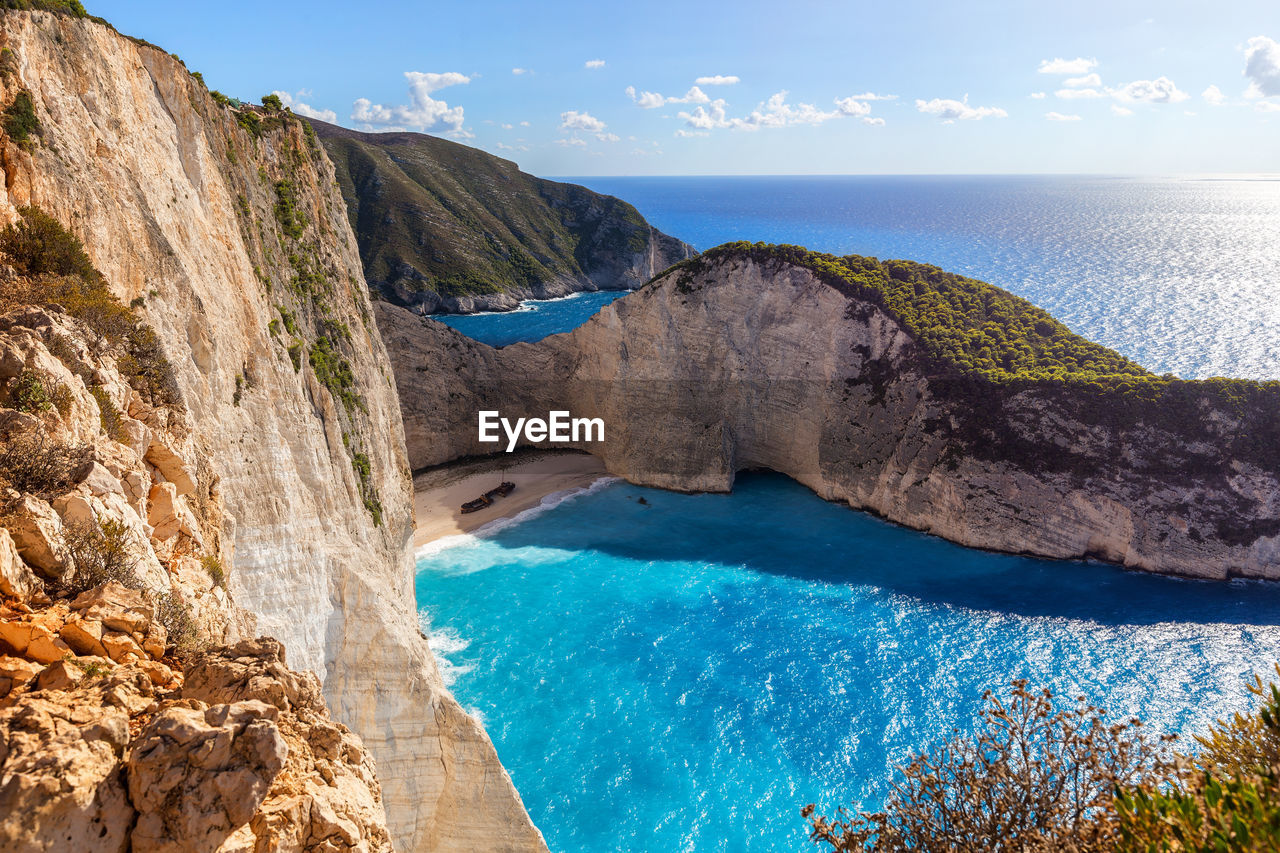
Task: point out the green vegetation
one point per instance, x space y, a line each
334 372
180 626
433 215
213 566
272 104
98 553
965 326
20 121
62 7
28 393
59 272
360 462
219 98
249 120
291 220
108 415
1037 778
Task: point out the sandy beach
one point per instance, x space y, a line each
438 493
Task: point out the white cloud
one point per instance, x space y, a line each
1214 96
294 103
872 96
422 112
874 122
853 107
1267 106
717 80
519 71
1158 91
524 124
775 112
1061 117
594 63
952 110
608 137
1076 94
1262 66
508 127
690 133
1038 95
1079 65
653 100
1088 80
581 143
574 120
1121 111
504 147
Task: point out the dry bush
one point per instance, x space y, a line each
1032 778
36 463
99 553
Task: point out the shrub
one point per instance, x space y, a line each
174 614
20 120
28 393
63 7
38 464
249 120
213 566
272 103
295 354
37 244
219 98
109 416
334 372
99 553
287 214
1032 777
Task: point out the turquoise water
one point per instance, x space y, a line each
685 674
535 319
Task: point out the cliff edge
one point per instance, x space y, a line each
224 230
933 400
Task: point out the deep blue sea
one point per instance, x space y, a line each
686 673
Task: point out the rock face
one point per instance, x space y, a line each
766 365
244 757
227 232
447 228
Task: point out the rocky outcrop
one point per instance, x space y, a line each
750 364
446 228
224 231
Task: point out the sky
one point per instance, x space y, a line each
566 87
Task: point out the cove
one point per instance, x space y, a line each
687 672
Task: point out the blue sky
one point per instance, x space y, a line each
606 88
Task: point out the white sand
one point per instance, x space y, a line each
440 492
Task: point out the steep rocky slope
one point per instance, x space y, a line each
447 228
753 357
226 233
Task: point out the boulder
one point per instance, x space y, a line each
33 640
116 606
60 754
198 775
60 675
16 578
170 465
122 648
15 672
252 670
37 531
84 636
98 480
168 515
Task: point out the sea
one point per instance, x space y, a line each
665 672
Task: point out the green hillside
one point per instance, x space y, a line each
436 221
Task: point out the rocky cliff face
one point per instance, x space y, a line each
447 228
750 364
227 234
